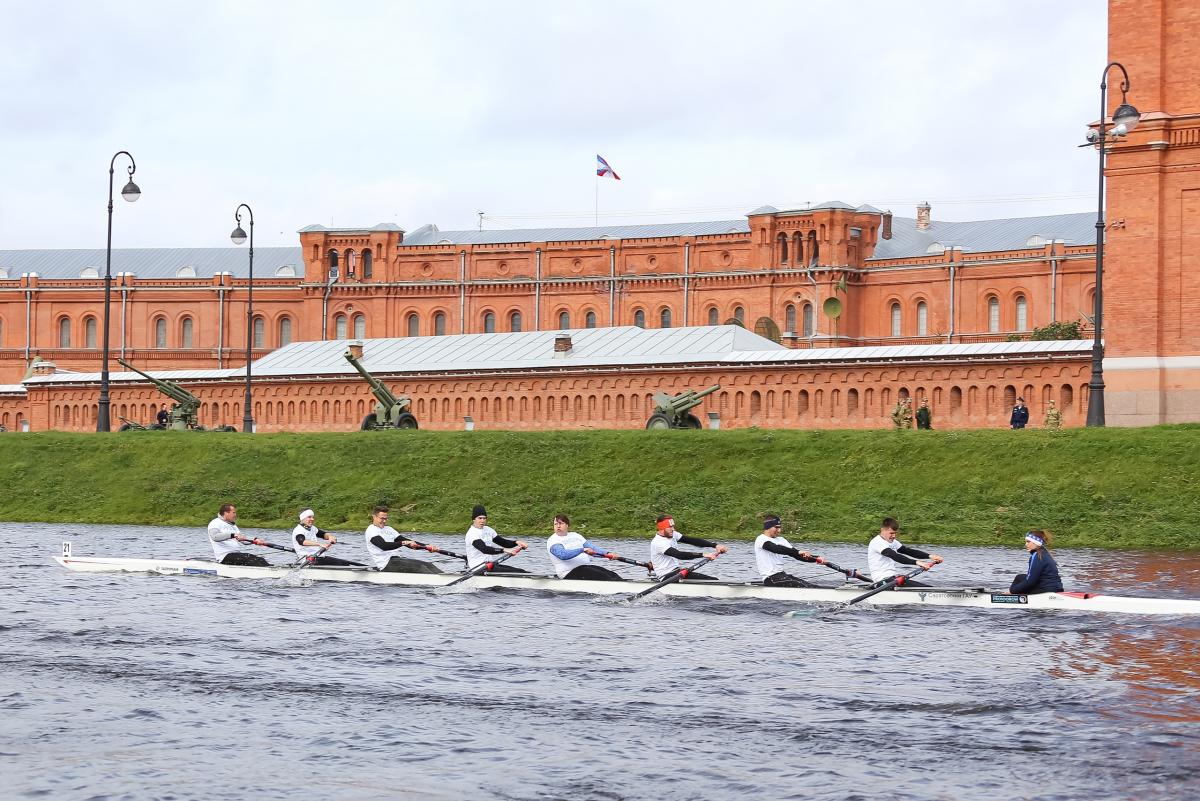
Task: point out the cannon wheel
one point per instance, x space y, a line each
368 423
406 420
692 421
125 427
156 427
658 420
227 428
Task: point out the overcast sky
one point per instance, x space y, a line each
356 113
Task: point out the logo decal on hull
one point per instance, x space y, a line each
1005 598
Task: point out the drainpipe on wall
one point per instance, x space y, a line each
124 308
953 271
221 325
612 286
462 290
816 306
28 324
1053 282
537 290
325 305
687 258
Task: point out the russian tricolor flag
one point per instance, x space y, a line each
602 168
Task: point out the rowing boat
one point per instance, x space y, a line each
975 597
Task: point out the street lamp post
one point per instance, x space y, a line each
131 193
1125 119
239 236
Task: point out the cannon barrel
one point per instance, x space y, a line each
168 388
381 392
684 400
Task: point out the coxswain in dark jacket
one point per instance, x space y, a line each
1042 574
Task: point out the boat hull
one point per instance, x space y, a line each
976 598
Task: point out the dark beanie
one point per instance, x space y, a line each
477 511
771 522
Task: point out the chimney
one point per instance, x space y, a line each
887 224
562 344
43 368
923 216
356 349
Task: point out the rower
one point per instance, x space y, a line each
1042 573
312 542
226 539
886 552
572 554
483 542
769 550
382 540
666 557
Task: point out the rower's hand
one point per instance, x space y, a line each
590 551
711 556
257 541
926 565
433 549
722 549
331 539
807 557
326 546
610 555
513 551
937 560
522 545
410 544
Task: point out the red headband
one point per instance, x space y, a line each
665 524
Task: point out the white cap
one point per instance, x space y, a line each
306 513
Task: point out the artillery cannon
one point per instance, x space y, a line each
183 412
391 411
674 411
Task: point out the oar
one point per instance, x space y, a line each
440 550
671 579
887 585
629 561
848 573
265 544
475 571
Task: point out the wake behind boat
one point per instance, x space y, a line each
973 597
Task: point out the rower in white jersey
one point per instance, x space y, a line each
383 541
665 555
572 554
226 540
770 551
885 554
483 543
312 542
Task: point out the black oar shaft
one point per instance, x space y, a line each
847 572
440 550
671 579
486 566
887 584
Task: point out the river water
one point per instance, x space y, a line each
153 687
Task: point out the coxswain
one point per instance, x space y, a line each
227 540
383 541
483 543
312 542
769 551
1042 573
666 556
886 553
572 554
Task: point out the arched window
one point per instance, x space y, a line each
439 324
351 263
89 332
813 249
339 327
333 263
185 333
285 331
64 332
993 305
260 332
414 325
360 326
564 320
368 263
922 319
714 316
789 318
739 314
895 319
808 319
1022 314
160 333
590 320
664 318
489 323
639 318
783 248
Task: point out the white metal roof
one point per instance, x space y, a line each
12 389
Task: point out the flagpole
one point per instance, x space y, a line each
597 207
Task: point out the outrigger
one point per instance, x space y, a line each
973 597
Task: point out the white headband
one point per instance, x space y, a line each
306 513
1035 539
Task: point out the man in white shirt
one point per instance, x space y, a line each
226 540
572 554
483 543
770 552
886 553
666 556
383 541
312 542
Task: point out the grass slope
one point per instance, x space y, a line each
1106 487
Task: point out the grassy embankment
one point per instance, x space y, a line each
1106 488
